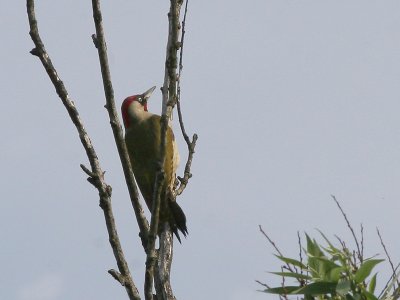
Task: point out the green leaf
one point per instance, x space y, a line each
282 290
321 267
328 264
370 296
372 284
335 274
365 269
291 261
335 255
315 267
294 275
332 248
343 286
313 248
317 288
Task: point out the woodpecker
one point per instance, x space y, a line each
143 139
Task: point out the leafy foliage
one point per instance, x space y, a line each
331 273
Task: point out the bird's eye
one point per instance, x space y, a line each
140 99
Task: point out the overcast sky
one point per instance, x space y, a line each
292 100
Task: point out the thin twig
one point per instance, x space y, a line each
300 247
388 256
263 284
284 296
302 282
389 282
100 44
190 144
350 227
187 174
352 262
277 249
181 43
270 241
191 150
362 240
96 173
283 278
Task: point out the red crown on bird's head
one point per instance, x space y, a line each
142 99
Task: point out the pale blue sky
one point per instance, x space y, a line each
293 101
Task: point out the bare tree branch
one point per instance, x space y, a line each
96 174
390 282
170 77
270 240
154 223
394 276
302 281
190 144
169 94
163 268
100 43
362 239
277 249
263 284
359 251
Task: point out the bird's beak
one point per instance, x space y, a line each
146 95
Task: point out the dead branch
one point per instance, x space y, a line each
151 250
96 174
100 43
163 267
169 94
190 144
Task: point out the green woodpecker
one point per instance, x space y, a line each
143 139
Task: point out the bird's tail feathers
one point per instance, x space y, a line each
177 220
